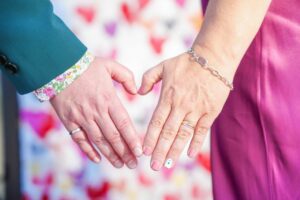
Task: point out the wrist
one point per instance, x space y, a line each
64 80
225 63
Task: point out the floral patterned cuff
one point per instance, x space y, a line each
62 81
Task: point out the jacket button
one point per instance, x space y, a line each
11 68
3 60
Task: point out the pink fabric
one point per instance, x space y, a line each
256 139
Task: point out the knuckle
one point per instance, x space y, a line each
198 138
99 140
168 133
124 124
202 130
156 122
70 115
196 141
115 137
79 140
184 134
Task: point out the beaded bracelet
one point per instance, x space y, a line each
204 64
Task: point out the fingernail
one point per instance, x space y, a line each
134 89
192 153
131 164
169 163
138 151
156 165
118 164
96 160
147 151
141 90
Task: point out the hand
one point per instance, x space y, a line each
91 103
190 95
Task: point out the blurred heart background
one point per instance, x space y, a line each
138 34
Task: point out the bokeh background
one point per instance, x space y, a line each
139 34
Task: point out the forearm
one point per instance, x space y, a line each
39 44
228 29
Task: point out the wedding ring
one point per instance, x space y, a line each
188 125
75 131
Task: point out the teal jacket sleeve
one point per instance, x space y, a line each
35 45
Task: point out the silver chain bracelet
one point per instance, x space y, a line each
204 64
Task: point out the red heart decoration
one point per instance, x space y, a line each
87 13
204 160
98 192
127 12
157 43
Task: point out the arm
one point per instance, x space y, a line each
37 42
191 96
36 47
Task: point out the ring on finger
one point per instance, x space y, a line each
75 131
187 124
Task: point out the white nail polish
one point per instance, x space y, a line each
169 163
138 151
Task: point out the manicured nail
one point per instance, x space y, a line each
169 163
147 151
156 165
118 164
134 89
96 160
192 153
141 90
138 151
131 164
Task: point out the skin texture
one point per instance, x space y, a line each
91 103
189 92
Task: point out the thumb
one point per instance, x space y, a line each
151 77
124 76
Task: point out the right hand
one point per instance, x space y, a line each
92 104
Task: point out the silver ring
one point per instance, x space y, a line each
187 125
75 131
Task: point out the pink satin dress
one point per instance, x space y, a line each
256 139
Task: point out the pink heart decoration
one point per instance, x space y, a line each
180 3
143 4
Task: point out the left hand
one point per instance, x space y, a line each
190 95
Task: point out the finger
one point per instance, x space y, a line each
96 137
200 133
124 76
115 139
186 130
166 138
159 117
81 139
123 123
151 77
